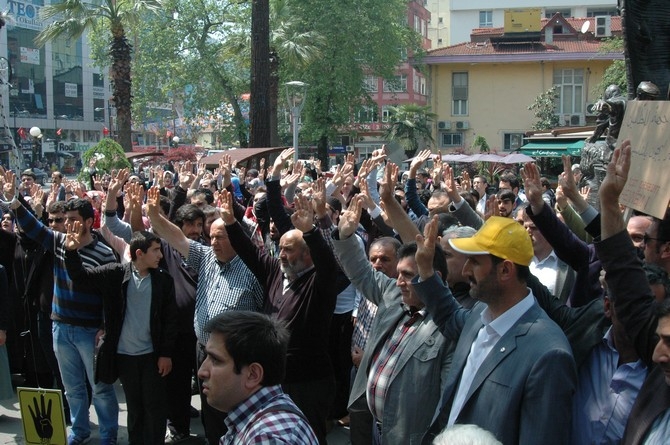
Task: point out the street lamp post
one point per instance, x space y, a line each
296 93
175 142
36 133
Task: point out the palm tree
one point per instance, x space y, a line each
289 45
74 17
410 126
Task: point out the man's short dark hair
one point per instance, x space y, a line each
482 178
210 211
82 206
663 309
506 195
29 172
142 240
165 204
439 260
251 337
209 196
190 213
56 207
511 179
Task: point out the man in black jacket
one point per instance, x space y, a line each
140 314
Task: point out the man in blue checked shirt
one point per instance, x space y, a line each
245 365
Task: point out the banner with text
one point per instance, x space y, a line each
647 125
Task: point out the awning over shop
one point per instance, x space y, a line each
539 149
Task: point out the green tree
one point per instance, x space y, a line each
367 37
410 127
291 48
615 74
481 144
109 154
184 58
73 17
544 108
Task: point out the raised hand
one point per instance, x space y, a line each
450 184
387 185
437 169
41 416
73 235
530 175
53 194
561 199
153 201
117 182
584 192
567 179
289 179
425 248
418 160
350 218
97 183
38 196
225 205
278 165
186 175
225 171
492 208
366 199
303 217
9 188
297 168
319 197
466 183
617 174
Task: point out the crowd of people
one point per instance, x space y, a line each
431 307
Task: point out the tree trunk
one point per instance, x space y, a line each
120 52
274 99
259 107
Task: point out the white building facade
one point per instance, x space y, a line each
54 88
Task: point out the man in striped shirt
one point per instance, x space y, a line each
77 320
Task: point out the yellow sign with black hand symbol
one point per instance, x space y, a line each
42 415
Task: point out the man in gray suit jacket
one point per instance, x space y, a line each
406 359
512 372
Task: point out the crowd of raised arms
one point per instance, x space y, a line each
428 306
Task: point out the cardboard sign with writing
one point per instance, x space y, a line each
647 125
42 415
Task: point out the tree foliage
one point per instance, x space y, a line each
183 59
410 127
615 74
362 38
544 108
481 144
109 155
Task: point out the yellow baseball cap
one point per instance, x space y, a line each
502 237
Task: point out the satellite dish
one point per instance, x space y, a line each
586 26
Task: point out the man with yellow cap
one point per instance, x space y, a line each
513 372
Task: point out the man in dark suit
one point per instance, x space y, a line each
513 372
647 324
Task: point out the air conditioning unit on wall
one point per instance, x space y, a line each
462 125
350 148
444 125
